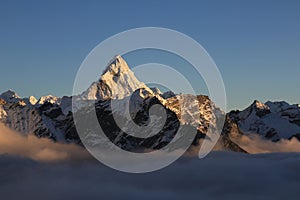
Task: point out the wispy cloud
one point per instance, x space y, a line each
255 144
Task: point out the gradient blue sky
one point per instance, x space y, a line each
256 44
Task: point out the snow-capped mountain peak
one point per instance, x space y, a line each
30 100
49 98
116 65
259 105
273 120
116 82
10 96
118 87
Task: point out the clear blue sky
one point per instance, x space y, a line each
256 44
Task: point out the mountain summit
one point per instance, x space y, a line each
10 96
272 120
116 82
52 117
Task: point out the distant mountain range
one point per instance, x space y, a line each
52 117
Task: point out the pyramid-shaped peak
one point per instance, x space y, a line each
117 58
116 82
10 92
116 65
9 95
259 105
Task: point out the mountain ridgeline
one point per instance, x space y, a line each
52 117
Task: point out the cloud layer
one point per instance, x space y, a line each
255 144
39 149
32 168
221 175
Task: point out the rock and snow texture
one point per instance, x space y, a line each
273 120
66 104
3 114
23 118
48 99
29 116
10 96
51 113
30 100
116 82
51 116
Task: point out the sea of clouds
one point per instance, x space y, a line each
31 168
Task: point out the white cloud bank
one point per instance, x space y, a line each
39 149
255 144
221 175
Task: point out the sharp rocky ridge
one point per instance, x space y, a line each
116 82
52 116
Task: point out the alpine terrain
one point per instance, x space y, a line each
52 117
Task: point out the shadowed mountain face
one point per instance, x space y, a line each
52 117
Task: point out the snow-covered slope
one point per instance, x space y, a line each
116 82
23 118
117 87
29 116
273 120
51 116
119 83
30 100
49 98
